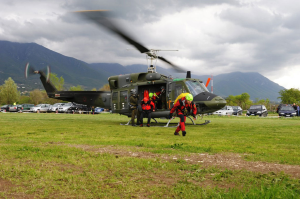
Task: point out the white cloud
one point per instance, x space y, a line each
212 37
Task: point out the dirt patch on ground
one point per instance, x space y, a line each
229 161
5 185
6 188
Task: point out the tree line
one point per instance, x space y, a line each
9 94
287 96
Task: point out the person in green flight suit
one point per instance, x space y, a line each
133 100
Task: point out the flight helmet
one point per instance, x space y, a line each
189 97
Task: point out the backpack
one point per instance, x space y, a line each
180 96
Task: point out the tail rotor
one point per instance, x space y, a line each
30 70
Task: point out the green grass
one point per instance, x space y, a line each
57 156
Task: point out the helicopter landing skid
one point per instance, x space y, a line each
128 123
168 123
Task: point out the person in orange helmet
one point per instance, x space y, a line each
147 107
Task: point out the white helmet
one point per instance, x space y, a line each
133 91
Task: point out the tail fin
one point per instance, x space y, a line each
49 87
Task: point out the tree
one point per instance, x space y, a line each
76 88
245 99
105 88
9 92
289 96
57 82
24 99
36 96
231 101
242 100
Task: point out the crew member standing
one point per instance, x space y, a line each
162 96
147 107
182 108
154 97
133 100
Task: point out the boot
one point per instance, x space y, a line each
176 133
183 133
148 125
141 125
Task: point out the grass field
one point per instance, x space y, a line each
93 156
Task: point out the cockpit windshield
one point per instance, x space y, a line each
195 87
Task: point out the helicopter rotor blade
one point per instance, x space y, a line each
101 17
177 68
29 70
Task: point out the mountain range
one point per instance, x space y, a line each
14 56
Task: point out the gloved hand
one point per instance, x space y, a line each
170 116
194 117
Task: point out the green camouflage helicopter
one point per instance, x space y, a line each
117 99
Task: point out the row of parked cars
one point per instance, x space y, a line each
255 110
69 107
286 110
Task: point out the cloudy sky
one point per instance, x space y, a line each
212 36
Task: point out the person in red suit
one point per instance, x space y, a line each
147 107
182 108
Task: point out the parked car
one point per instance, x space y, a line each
26 107
77 107
5 108
21 108
15 108
237 110
99 110
40 108
281 105
55 107
259 110
287 111
226 110
64 108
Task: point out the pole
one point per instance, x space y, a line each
212 84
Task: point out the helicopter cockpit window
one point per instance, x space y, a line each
195 87
178 89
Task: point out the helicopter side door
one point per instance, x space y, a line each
120 101
124 100
115 101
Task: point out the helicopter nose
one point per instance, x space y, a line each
209 102
217 103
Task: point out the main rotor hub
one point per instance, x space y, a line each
152 56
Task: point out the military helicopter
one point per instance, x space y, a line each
117 99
